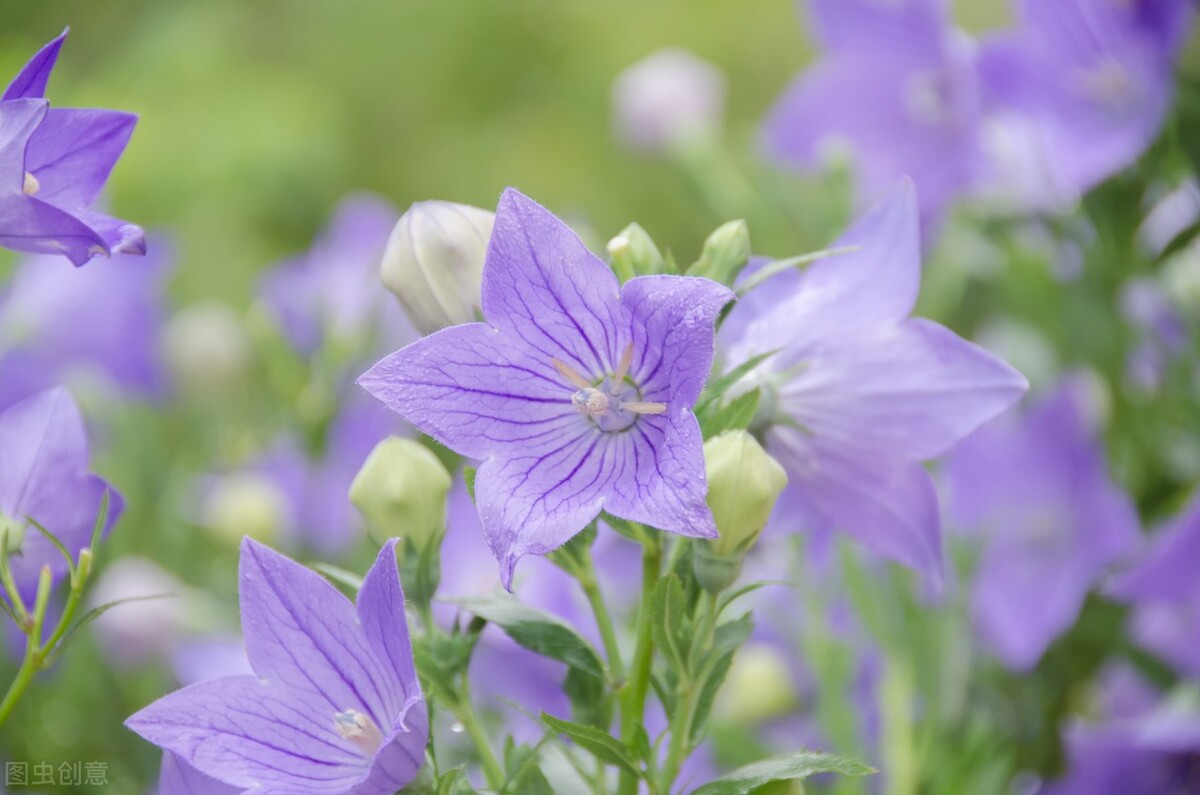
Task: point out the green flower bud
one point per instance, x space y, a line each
401 491
725 253
434 262
633 253
743 484
12 533
245 504
208 349
759 686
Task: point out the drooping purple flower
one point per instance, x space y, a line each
858 394
1165 591
53 164
335 706
576 393
1036 490
1083 85
44 478
120 304
897 84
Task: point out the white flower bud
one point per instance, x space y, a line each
207 348
434 262
245 504
668 99
759 686
401 491
743 484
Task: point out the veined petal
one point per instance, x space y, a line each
381 611
73 152
533 503
660 479
179 778
31 80
19 119
120 237
677 314
252 734
303 634
28 224
913 391
542 286
474 390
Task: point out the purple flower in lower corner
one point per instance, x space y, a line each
576 393
53 164
857 394
44 478
334 706
1036 488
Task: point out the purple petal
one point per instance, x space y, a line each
180 778
1168 570
18 121
673 334
541 285
31 80
474 391
381 612
867 27
33 226
73 152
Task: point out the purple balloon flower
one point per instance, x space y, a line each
44 478
576 393
179 778
1053 520
53 164
335 707
857 393
897 84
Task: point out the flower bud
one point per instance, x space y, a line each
759 686
401 491
433 262
725 253
668 99
743 484
245 504
207 348
633 253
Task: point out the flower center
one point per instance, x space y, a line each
31 186
614 402
1108 83
359 729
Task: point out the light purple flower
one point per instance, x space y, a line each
576 393
179 778
1085 84
118 301
897 84
1051 519
44 477
53 164
858 393
335 706
1165 589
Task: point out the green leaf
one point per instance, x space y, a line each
440 659
53 539
717 387
781 265
339 575
789 767
537 631
95 613
596 741
525 777
732 596
667 613
590 704
469 474
455 783
737 414
101 520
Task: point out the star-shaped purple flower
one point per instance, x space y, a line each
897 84
857 393
335 706
44 477
1038 490
576 393
53 164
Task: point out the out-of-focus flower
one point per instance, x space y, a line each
332 291
53 164
44 478
1169 216
1051 520
115 311
401 491
245 504
897 84
207 349
334 699
1160 326
1165 589
668 99
1082 87
576 393
433 263
857 393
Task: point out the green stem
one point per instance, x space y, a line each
686 698
20 683
492 770
633 697
591 589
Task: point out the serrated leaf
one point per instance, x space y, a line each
732 634
590 703
539 632
524 775
597 742
667 612
789 767
737 414
717 387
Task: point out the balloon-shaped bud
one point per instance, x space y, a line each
401 491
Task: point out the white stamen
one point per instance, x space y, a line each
623 367
31 186
642 407
359 729
569 373
590 401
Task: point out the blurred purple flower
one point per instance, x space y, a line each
540 393
1051 519
858 393
116 317
897 84
669 98
44 478
335 707
1085 85
1165 590
333 292
53 164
